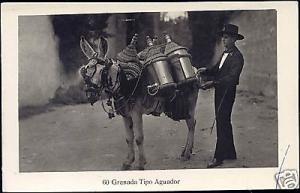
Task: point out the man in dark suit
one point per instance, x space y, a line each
226 75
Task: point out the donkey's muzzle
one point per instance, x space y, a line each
92 95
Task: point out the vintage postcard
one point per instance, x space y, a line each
150 96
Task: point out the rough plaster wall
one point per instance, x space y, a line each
39 65
39 74
260 48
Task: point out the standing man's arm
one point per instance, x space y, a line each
233 76
209 71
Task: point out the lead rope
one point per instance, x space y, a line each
212 127
111 111
155 90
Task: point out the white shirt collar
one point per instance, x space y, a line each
223 60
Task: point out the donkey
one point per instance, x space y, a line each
105 77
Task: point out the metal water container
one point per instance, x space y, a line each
180 62
158 71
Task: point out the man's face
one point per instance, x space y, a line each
228 40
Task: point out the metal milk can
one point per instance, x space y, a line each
158 71
180 62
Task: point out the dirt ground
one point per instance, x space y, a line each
82 138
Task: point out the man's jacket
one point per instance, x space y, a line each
229 73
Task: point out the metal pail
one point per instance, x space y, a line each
159 74
180 62
182 68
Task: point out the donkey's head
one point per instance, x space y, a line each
104 76
100 73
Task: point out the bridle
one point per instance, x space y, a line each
109 81
105 84
111 88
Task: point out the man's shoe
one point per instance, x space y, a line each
214 163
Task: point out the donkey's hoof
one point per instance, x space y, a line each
125 166
185 158
183 152
141 165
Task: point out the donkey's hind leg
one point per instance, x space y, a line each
129 140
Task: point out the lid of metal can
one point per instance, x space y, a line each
154 52
172 46
129 54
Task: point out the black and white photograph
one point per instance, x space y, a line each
182 92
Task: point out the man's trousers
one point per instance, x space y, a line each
224 100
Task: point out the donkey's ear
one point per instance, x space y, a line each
103 46
86 48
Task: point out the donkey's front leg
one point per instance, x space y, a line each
186 153
139 137
191 124
129 140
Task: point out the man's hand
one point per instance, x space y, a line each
207 85
201 70
199 74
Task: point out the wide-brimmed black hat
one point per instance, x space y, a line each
232 30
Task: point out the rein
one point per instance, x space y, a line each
92 88
108 83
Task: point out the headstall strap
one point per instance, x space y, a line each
92 90
114 94
110 112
